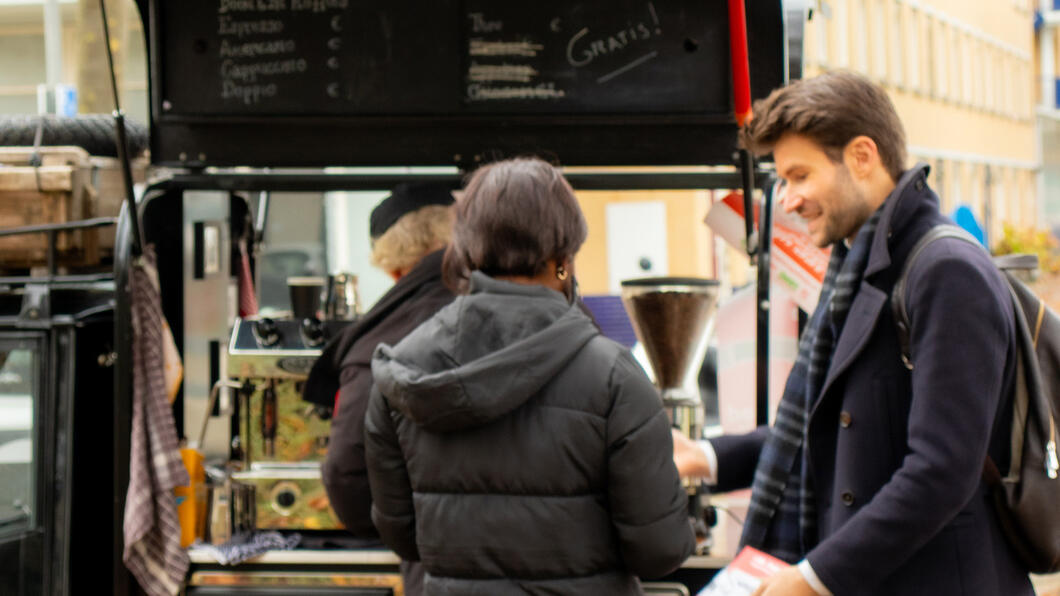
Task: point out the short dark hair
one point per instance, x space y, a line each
514 217
830 109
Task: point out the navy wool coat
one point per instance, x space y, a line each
895 455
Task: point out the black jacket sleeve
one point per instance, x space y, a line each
649 507
392 509
344 472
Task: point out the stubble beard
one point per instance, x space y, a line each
850 211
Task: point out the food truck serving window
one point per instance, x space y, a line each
326 82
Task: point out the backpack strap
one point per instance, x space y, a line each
901 315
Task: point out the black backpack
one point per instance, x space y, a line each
1027 499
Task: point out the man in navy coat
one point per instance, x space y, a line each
869 481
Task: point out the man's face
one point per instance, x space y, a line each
820 190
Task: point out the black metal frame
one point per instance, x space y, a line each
56 336
321 182
763 305
123 245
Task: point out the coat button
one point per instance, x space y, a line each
919 184
847 497
844 419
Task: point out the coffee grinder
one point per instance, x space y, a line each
670 317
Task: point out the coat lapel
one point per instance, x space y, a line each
855 335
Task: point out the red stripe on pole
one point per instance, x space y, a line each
741 70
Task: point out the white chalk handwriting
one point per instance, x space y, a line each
482 47
252 49
249 73
241 29
248 94
479 24
480 92
519 73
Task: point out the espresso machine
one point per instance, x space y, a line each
670 317
283 439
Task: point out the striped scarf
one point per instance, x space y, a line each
782 518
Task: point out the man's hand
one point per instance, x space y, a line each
786 583
689 457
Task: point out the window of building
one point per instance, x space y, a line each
912 31
930 64
996 192
998 79
953 45
880 23
841 25
1008 64
821 24
897 37
986 63
967 84
861 37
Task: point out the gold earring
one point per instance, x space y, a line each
561 272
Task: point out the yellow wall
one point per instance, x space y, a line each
689 243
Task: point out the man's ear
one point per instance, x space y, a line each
861 156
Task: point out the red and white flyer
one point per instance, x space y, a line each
798 265
744 574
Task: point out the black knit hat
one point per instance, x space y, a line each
406 198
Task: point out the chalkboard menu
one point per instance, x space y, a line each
322 82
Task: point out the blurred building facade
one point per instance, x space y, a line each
49 43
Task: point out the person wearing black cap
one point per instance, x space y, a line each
409 230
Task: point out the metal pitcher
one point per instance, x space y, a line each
343 300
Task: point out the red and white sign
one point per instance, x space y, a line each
744 574
798 265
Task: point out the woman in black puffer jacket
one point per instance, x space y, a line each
511 447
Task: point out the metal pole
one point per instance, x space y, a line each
765 234
53 53
119 130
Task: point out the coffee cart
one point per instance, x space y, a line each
253 98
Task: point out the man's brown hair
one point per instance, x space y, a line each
830 109
515 216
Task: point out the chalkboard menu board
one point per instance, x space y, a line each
332 82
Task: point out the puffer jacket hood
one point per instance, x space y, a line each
482 356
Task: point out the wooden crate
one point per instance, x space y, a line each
68 185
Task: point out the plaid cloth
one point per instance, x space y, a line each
245 546
782 517
152 530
